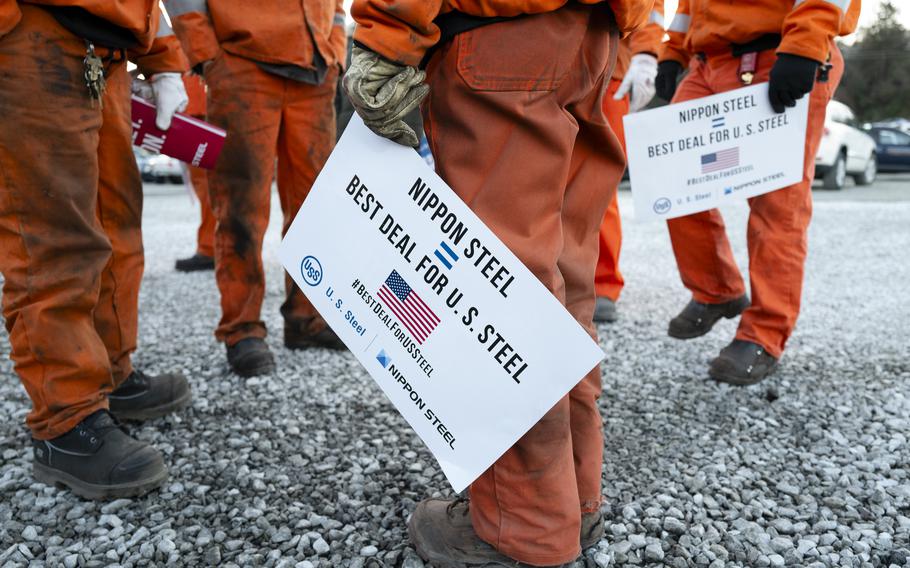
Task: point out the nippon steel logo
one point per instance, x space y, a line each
662 206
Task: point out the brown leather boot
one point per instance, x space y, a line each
300 335
697 319
442 533
592 529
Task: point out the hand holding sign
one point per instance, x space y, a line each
694 156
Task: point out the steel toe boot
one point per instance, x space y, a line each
742 363
195 263
697 319
605 310
298 335
98 460
142 397
442 533
251 357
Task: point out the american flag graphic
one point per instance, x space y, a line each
720 160
407 306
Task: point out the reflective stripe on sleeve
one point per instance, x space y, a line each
842 4
164 29
680 23
179 7
656 18
339 20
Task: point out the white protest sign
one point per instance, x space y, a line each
697 155
467 344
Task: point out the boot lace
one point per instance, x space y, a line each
460 499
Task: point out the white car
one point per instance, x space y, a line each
159 168
845 150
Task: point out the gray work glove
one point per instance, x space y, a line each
383 93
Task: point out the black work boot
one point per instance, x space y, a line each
742 363
195 263
98 460
604 310
297 335
697 319
592 529
442 533
251 357
142 397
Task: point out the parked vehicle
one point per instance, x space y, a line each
892 148
901 124
845 150
159 168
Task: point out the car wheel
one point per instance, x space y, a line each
176 180
868 175
836 177
160 179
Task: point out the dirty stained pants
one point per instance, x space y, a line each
778 221
266 117
515 120
70 211
205 235
608 280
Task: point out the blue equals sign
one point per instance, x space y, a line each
728 190
717 122
446 255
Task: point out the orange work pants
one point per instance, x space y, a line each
70 212
205 236
266 117
608 280
778 221
515 120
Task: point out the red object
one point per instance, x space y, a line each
189 139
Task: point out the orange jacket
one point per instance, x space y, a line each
277 31
645 39
157 51
403 30
712 26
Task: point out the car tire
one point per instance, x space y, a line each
868 175
176 180
160 179
837 175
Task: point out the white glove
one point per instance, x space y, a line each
640 80
166 90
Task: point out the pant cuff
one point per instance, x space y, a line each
57 429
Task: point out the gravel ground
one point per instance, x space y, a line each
313 468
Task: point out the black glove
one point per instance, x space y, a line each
665 83
791 78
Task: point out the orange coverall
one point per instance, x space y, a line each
70 208
266 116
778 221
515 120
608 280
205 236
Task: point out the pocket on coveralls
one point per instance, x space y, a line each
530 53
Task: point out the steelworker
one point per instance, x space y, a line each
630 90
70 236
726 46
204 258
514 116
271 69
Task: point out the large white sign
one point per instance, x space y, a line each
467 344
697 155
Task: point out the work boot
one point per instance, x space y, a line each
98 460
251 357
142 397
298 336
195 263
592 529
442 533
742 363
697 319
604 310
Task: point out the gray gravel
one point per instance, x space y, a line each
313 468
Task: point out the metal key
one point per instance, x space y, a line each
94 74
